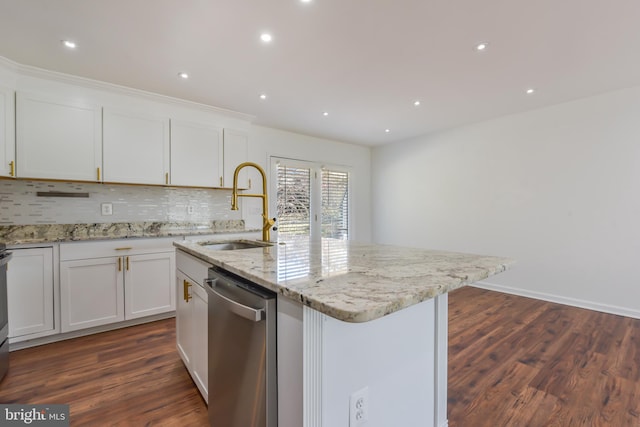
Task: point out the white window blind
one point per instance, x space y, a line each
335 204
311 200
294 200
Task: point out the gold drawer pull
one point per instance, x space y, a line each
185 290
119 264
124 248
98 170
12 167
127 263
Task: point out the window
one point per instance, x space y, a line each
311 200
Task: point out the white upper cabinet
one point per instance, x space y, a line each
7 133
236 151
57 138
136 148
196 154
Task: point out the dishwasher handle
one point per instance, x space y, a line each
249 313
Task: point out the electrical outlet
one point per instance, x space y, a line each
359 407
107 208
190 209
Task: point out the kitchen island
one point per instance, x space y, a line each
357 320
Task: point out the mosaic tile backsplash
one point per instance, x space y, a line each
20 205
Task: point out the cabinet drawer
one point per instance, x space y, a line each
194 268
110 248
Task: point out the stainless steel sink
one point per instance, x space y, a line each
234 245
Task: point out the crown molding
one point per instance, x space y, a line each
31 71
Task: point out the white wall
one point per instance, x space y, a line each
265 142
558 189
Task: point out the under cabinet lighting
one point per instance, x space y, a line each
70 44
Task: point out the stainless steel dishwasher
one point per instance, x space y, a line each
242 352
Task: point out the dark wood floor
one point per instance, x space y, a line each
516 361
128 377
513 362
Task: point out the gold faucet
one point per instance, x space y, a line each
267 222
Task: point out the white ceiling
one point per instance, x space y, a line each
363 61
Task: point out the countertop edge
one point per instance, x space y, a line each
358 316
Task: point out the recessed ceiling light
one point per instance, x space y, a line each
305 1
263 96
183 75
69 44
387 130
265 37
530 91
481 46
325 114
416 103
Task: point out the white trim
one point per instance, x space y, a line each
574 302
312 321
31 71
13 346
441 321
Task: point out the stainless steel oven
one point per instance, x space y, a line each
5 256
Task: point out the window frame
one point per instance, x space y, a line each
316 191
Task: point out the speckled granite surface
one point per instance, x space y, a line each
351 281
42 233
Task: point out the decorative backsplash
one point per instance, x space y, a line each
20 205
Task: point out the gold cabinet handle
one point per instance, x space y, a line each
98 173
124 248
12 168
249 182
119 264
166 178
221 185
185 290
127 263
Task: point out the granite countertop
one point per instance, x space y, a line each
46 233
350 281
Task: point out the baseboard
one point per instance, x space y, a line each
574 302
89 331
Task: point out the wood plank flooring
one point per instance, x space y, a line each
513 361
128 377
516 361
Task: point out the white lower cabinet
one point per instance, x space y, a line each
148 284
30 292
108 282
191 318
92 293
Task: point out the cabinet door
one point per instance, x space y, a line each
184 319
200 363
57 139
148 284
91 292
236 151
30 292
7 133
136 148
196 154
